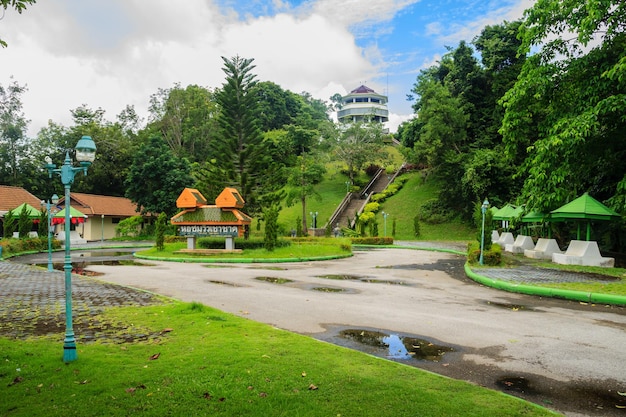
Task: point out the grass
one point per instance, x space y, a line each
319 248
207 362
405 205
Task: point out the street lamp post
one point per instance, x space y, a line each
55 200
314 217
348 183
385 223
85 154
483 209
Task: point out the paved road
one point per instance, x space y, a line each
566 355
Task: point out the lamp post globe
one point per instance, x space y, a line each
85 151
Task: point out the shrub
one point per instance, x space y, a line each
492 256
435 212
160 231
129 226
38 244
9 224
372 240
416 225
240 243
371 208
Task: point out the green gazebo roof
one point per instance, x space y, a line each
584 207
508 212
534 217
33 213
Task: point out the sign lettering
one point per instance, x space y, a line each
204 230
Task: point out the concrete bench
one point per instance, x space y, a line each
543 249
521 243
506 238
580 252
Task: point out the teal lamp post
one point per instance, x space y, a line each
314 218
85 155
55 200
483 209
385 215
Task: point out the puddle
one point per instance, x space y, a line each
78 265
341 277
328 289
229 284
274 280
397 347
382 281
516 383
346 277
104 253
508 306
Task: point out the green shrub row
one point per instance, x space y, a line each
391 189
376 240
240 243
36 244
491 256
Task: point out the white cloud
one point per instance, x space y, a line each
67 59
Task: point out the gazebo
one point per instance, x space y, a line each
583 209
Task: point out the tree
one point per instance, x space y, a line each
18 5
270 238
186 119
303 177
8 224
13 124
359 144
156 178
241 154
564 115
160 231
24 222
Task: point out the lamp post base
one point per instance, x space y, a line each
69 352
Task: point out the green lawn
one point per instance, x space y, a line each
201 361
317 248
405 205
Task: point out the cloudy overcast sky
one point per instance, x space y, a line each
114 53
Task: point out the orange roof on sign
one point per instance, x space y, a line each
190 198
229 198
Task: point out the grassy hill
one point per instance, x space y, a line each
402 207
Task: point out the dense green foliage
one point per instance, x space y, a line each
156 178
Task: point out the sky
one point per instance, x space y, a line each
114 53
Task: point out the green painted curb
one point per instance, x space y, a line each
587 297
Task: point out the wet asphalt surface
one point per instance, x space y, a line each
567 356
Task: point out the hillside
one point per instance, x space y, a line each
402 207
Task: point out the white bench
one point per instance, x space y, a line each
543 249
506 238
580 252
521 243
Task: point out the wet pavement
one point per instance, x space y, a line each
565 355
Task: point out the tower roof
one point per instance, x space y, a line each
362 90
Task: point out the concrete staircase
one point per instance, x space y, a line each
354 202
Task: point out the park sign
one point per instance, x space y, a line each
199 219
206 230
